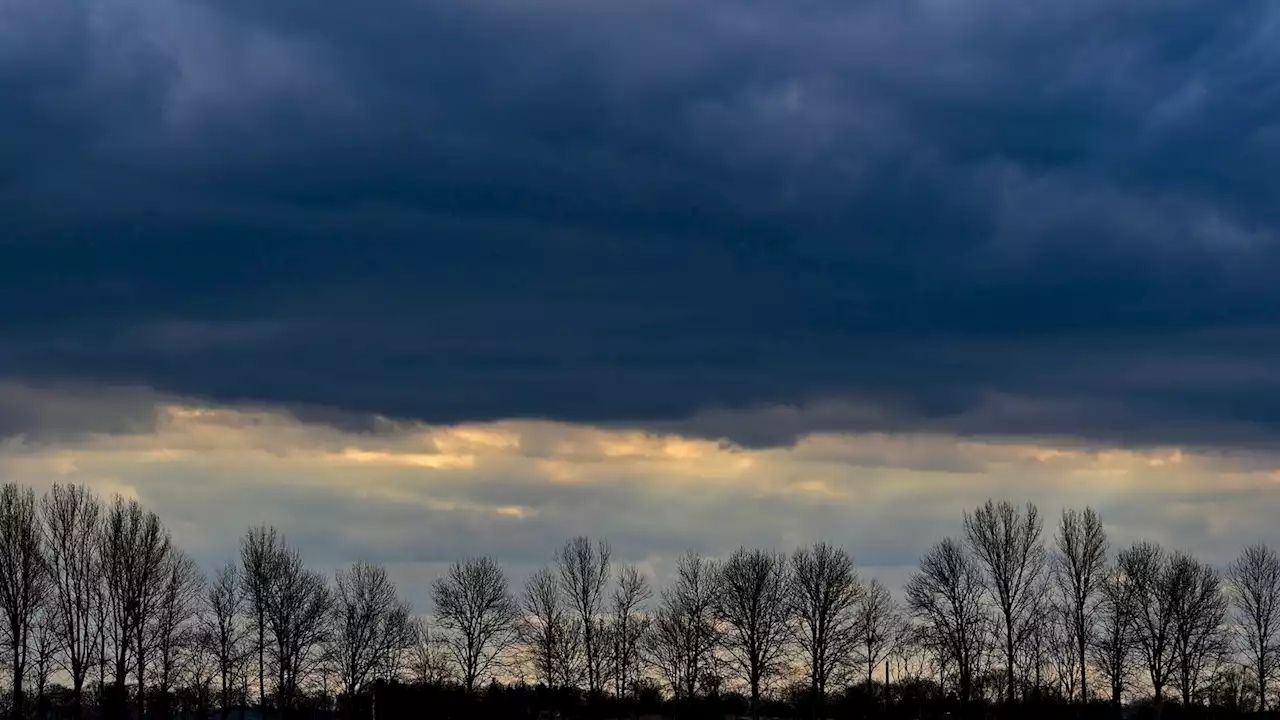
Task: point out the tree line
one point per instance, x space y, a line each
105 616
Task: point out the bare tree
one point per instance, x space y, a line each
825 592
174 619
663 646
476 609
43 650
628 628
129 544
133 547
327 672
71 514
549 632
584 574
1144 567
366 624
1034 640
752 603
1254 580
682 637
1112 644
1006 543
24 579
400 638
1230 688
200 669
104 615
260 550
430 662
223 630
879 625
1199 614
1064 656
297 612
909 657
429 657
945 595
1079 570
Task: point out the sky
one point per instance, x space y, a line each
457 278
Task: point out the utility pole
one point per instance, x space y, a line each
886 687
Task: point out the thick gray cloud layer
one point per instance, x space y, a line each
978 217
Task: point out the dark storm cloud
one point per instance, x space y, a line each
44 414
979 217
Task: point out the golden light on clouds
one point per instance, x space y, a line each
515 511
564 453
475 438
412 459
516 489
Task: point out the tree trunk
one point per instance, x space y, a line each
142 673
102 673
1262 678
226 694
284 690
262 651
17 676
1084 686
121 699
1008 646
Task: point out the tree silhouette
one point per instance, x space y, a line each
1199 611
429 660
683 634
628 627
945 595
751 602
259 551
71 514
476 609
222 629
1254 580
824 594
1006 543
1079 569
297 613
549 633
1112 646
43 648
367 630
133 546
879 626
1145 567
175 616
115 591
24 579
584 574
